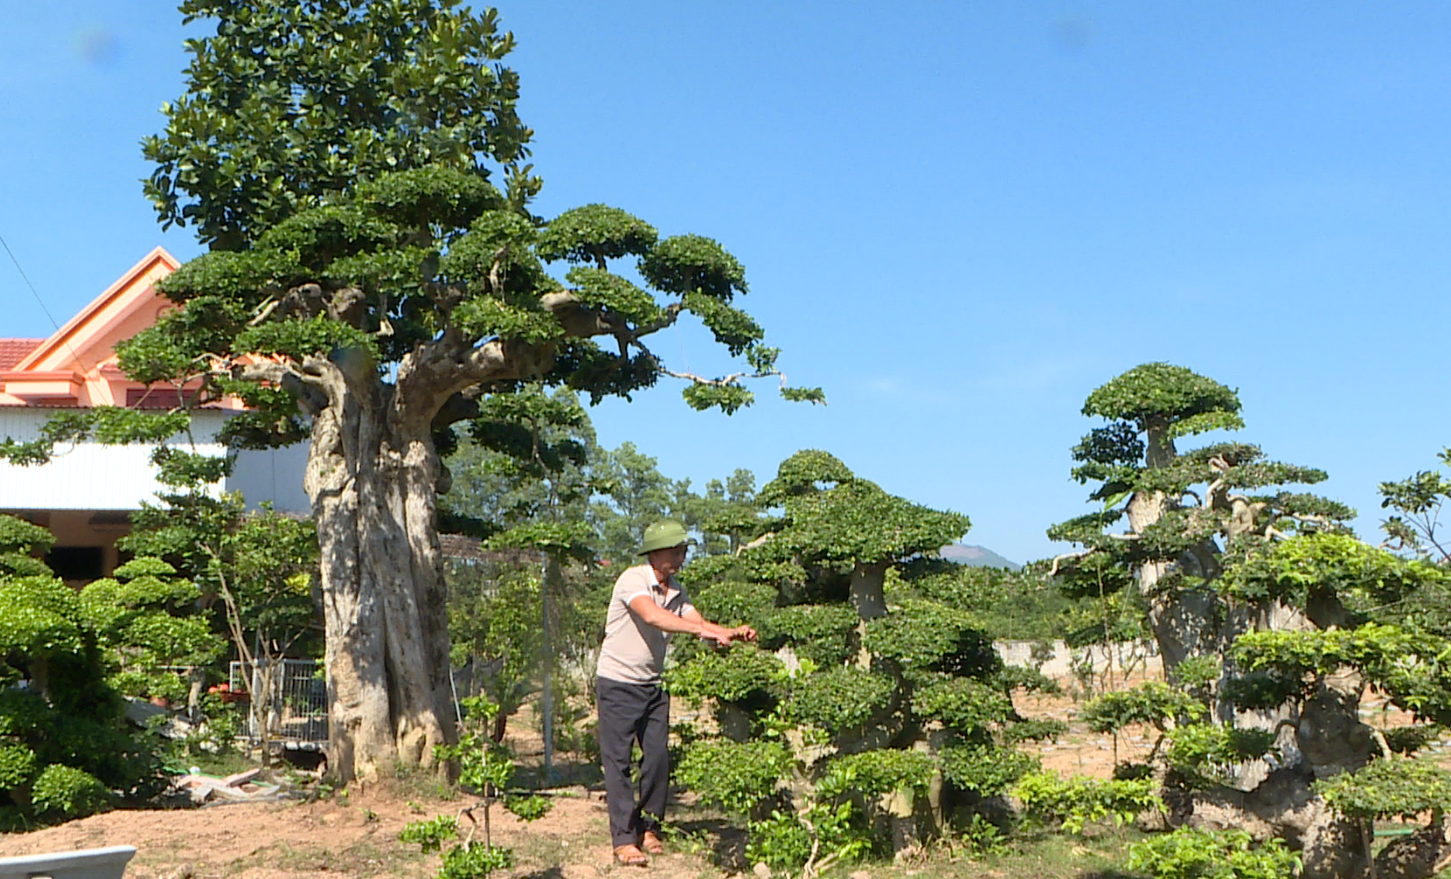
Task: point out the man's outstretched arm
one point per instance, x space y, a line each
691 623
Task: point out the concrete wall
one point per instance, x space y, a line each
1138 658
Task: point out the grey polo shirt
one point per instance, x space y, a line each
634 651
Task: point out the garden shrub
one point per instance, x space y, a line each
1152 703
1208 753
475 861
1392 787
780 841
17 766
740 674
840 698
967 706
931 636
146 618
985 770
818 632
873 773
65 747
486 768
1076 802
729 602
66 792
430 835
843 575
1190 853
738 776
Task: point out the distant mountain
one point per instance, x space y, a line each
977 557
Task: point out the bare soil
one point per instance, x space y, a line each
354 836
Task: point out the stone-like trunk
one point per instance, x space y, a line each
373 496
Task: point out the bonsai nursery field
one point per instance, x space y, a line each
317 831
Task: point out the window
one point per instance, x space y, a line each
77 562
156 398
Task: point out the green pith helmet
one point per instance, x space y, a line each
664 534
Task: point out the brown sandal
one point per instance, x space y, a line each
630 856
652 844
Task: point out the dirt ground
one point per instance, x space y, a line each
355 834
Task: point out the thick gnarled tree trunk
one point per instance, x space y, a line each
372 483
373 476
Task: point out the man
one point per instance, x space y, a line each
647 606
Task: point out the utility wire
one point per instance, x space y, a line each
26 278
41 302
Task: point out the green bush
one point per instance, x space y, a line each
64 732
429 835
931 636
1076 802
17 766
68 792
779 841
475 861
1188 853
872 773
729 601
1152 703
819 632
735 775
1205 753
734 675
528 808
984 769
1394 787
1035 730
840 698
784 840
963 705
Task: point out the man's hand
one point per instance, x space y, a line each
743 633
719 634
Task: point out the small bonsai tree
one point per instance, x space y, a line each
149 624
65 748
486 769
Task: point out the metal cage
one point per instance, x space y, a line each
296 708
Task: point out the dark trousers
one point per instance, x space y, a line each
632 713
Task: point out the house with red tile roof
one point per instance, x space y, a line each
86 493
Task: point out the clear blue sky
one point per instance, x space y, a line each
957 217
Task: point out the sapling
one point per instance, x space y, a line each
485 768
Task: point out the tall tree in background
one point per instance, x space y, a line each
633 493
370 287
1418 501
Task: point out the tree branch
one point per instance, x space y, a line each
1067 556
459 407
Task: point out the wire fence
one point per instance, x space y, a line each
296 709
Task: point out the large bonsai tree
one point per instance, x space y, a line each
877 704
1271 613
375 277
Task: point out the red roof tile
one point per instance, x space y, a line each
12 351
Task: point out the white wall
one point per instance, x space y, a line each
273 475
91 476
